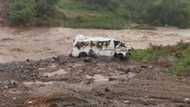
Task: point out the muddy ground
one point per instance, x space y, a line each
19 44
67 82
103 82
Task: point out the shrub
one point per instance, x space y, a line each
153 12
177 55
137 9
98 2
45 8
170 12
21 11
30 11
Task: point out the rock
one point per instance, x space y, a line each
6 87
107 90
126 70
131 75
144 66
14 98
112 79
27 60
8 84
60 59
88 59
150 67
30 102
1 20
127 101
187 100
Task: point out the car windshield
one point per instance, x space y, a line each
118 44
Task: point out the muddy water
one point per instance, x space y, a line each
17 44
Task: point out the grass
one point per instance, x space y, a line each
102 14
79 15
100 22
120 14
175 58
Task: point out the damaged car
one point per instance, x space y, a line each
99 46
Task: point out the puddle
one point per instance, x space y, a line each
60 72
98 78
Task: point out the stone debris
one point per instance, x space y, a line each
8 84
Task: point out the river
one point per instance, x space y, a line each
18 44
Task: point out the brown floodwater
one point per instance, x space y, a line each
18 44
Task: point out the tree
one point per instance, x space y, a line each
30 11
45 8
21 11
170 12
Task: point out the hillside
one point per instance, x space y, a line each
2 11
106 14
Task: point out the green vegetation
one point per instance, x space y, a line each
109 14
170 12
175 58
24 12
21 11
82 14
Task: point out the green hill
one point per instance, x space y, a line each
108 14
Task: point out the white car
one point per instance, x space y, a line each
98 46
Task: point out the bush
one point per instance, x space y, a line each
21 11
170 12
137 9
177 57
30 11
153 12
98 2
45 8
156 12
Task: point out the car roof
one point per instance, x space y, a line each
82 38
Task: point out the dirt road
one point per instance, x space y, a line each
17 44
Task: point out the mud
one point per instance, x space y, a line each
103 82
19 44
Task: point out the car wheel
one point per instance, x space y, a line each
120 56
83 54
92 54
